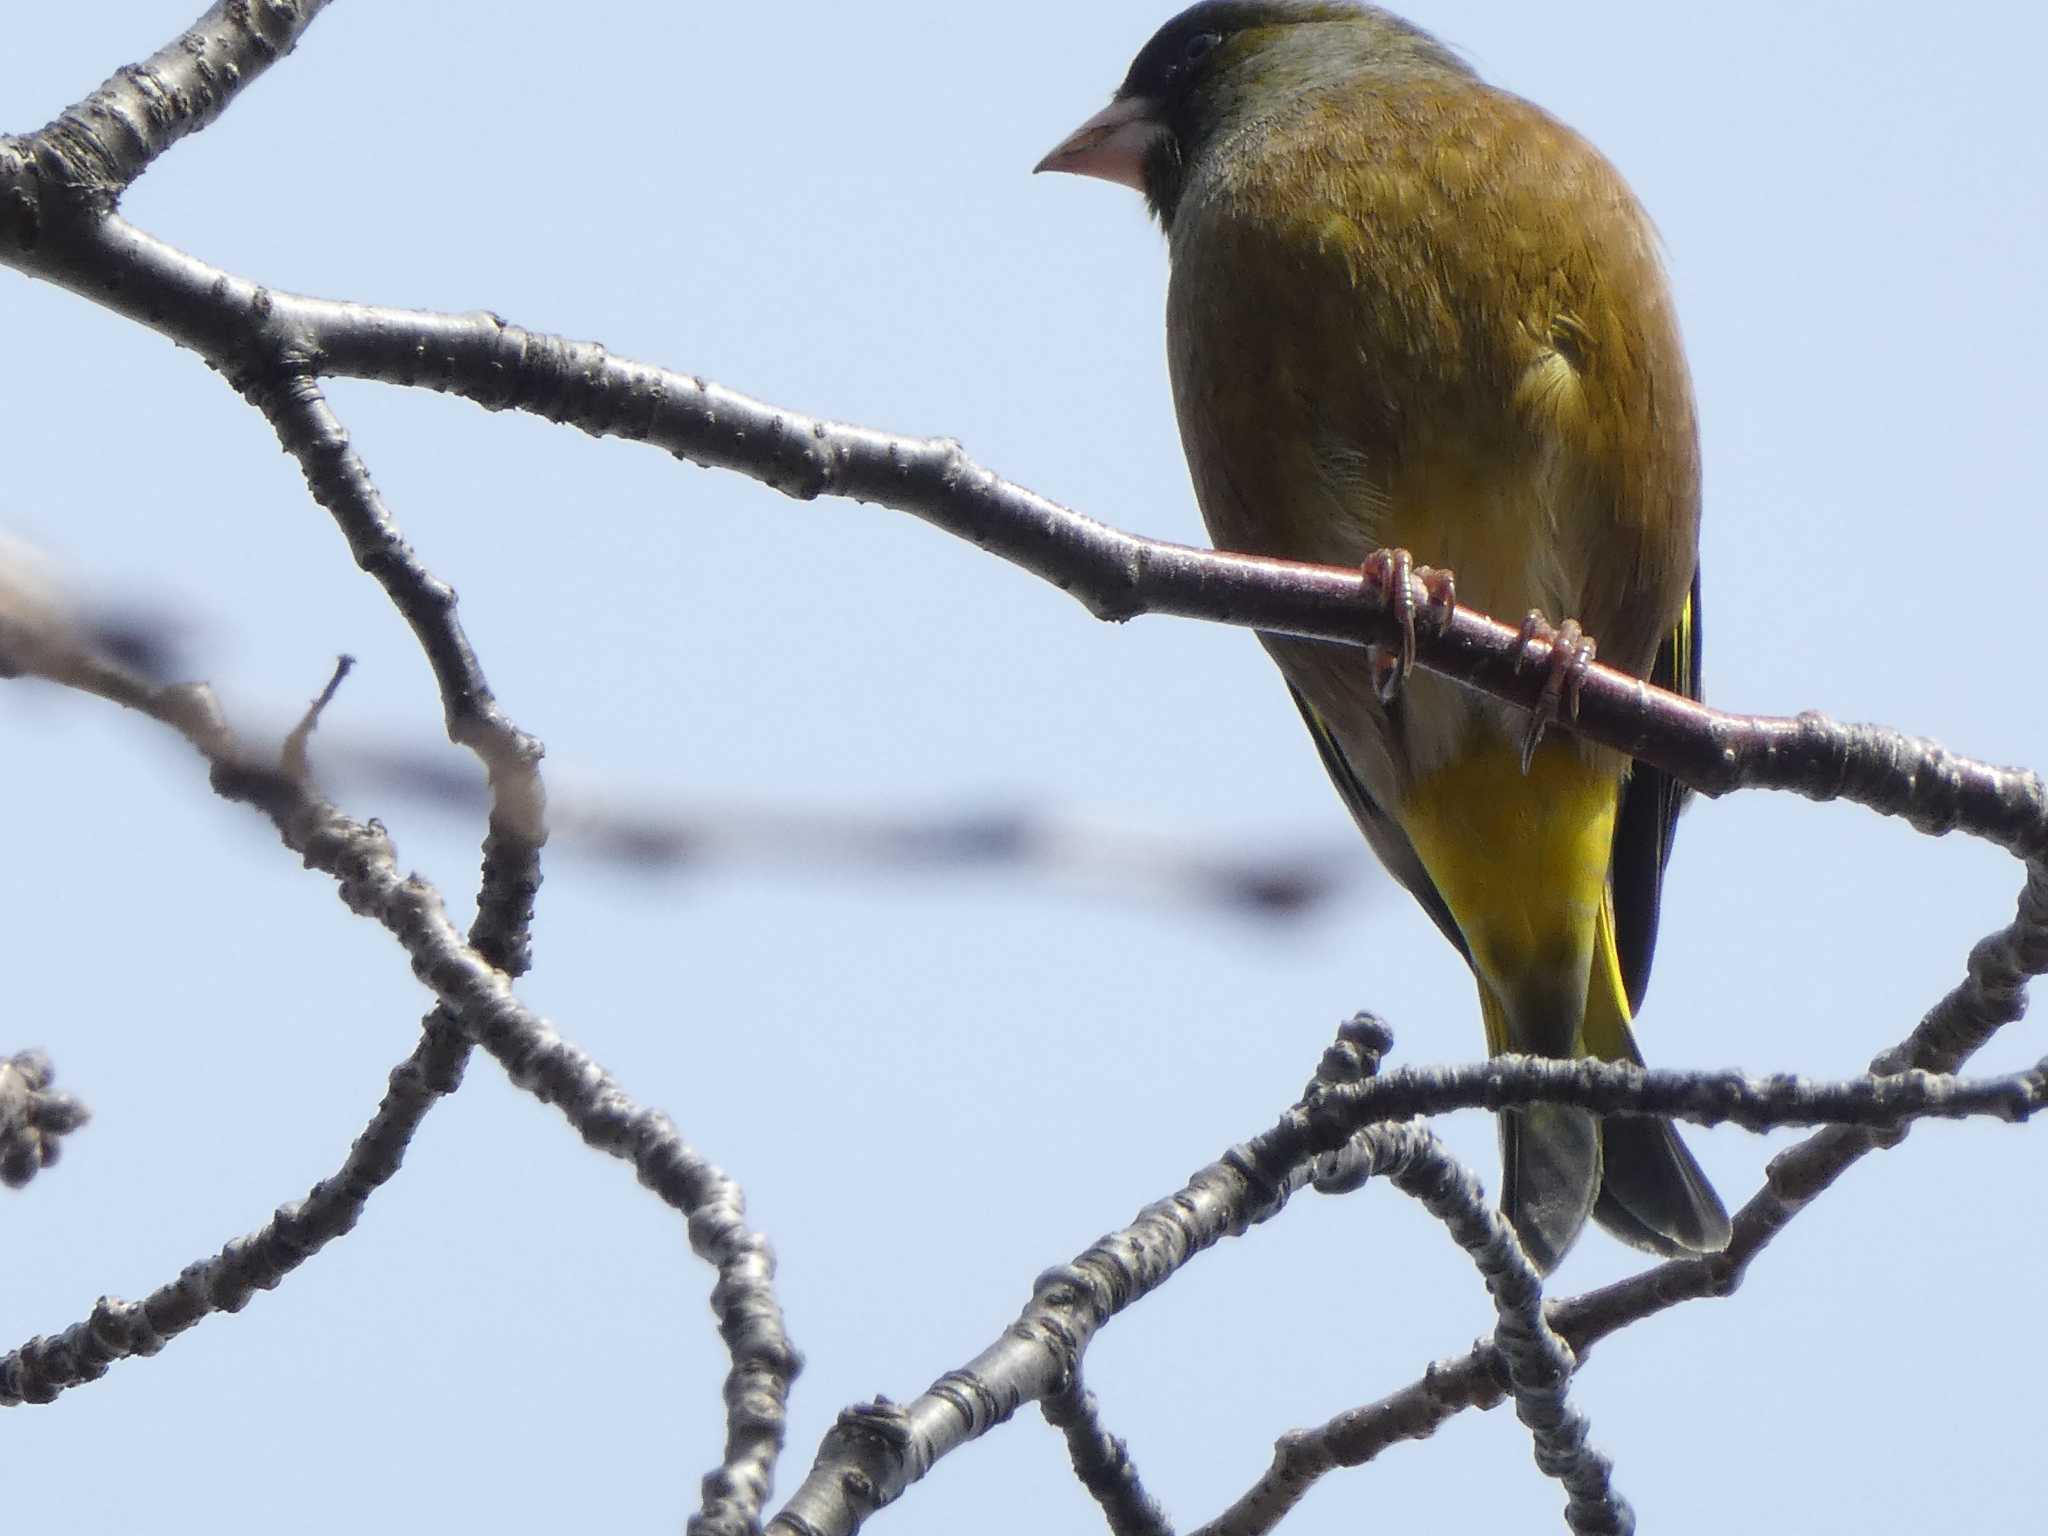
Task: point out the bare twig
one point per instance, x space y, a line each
57 192
34 1117
1103 1462
763 1364
479 1000
1539 1363
877 1450
291 756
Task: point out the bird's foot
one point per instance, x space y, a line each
1391 570
1570 659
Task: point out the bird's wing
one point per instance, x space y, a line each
1380 829
1650 802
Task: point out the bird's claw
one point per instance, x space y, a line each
1394 573
1570 659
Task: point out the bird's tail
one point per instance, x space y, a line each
1549 1177
1630 1173
1549 1161
1652 1193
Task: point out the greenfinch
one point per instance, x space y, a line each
1409 311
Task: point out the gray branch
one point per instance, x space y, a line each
1540 1364
1103 1462
877 1450
1704 1098
1991 995
479 1000
264 339
58 190
251 333
78 165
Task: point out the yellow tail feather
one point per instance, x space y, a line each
1522 863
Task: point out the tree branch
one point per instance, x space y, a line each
1991 995
876 1451
476 1005
246 330
83 161
1103 1462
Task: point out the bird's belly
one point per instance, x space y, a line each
1521 861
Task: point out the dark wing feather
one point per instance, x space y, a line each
1648 818
1380 829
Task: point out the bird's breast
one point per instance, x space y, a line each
1440 326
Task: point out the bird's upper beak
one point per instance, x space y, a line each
1112 144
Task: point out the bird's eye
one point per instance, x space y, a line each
1199 46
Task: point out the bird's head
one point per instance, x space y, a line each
1224 64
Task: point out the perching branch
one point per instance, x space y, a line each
253 334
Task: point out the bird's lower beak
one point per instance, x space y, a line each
1112 144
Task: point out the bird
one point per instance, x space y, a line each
1409 311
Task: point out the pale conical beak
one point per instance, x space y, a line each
1112 144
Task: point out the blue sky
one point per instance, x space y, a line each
934 1087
